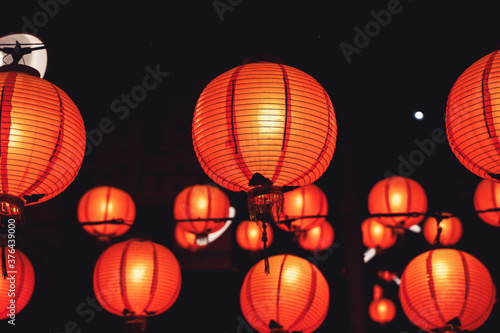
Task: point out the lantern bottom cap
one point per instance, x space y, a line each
265 203
135 324
10 205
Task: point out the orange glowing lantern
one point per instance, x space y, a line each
487 202
398 202
471 117
248 235
137 279
381 310
106 212
293 297
24 281
449 229
377 235
318 238
201 209
446 290
263 128
185 239
304 208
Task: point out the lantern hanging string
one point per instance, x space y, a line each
114 221
216 220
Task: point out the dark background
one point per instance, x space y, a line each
99 50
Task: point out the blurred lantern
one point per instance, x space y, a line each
377 235
293 297
137 279
106 212
381 310
318 238
248 235
387 276
471 117
201 209
447 226
487 202
446 290
304 208
11 303
185 239
397 202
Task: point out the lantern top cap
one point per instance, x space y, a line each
20 68
263 57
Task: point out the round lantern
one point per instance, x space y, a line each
249 235
377 235
293 297
185 239
398 202
487 202
201 209
381 310
106 212
318 238
137 279
446 290
304 208
449 229
42 139
24 283
263 128
471 117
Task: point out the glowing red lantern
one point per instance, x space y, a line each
446 290
201 209
449 229
487 202
262 128
471 117
24 283
106 212
377 235
318 238
397 202
185 239
381 310
307 201
293 297
249 235
137 279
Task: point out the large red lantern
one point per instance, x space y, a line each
318 238
487 202
472 110
377 235
449 229
106 212
381 310
293 297
446 290
248 235
304 208
18 287
398 202
137 279
263 128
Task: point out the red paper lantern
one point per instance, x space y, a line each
24 282
294 296
376 235
137 279
396 197
308 200
318 238
471 117
451 229
42 139
249 235
447 290
263 127
106 204
201 209
381 310
185 239
487 202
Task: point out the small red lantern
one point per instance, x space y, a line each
446 290
106 212
449 229
318 238
185 239
293 297
471 117
381 310
397 202
137 279
24 281
304 208
249 235
377 235
487 202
